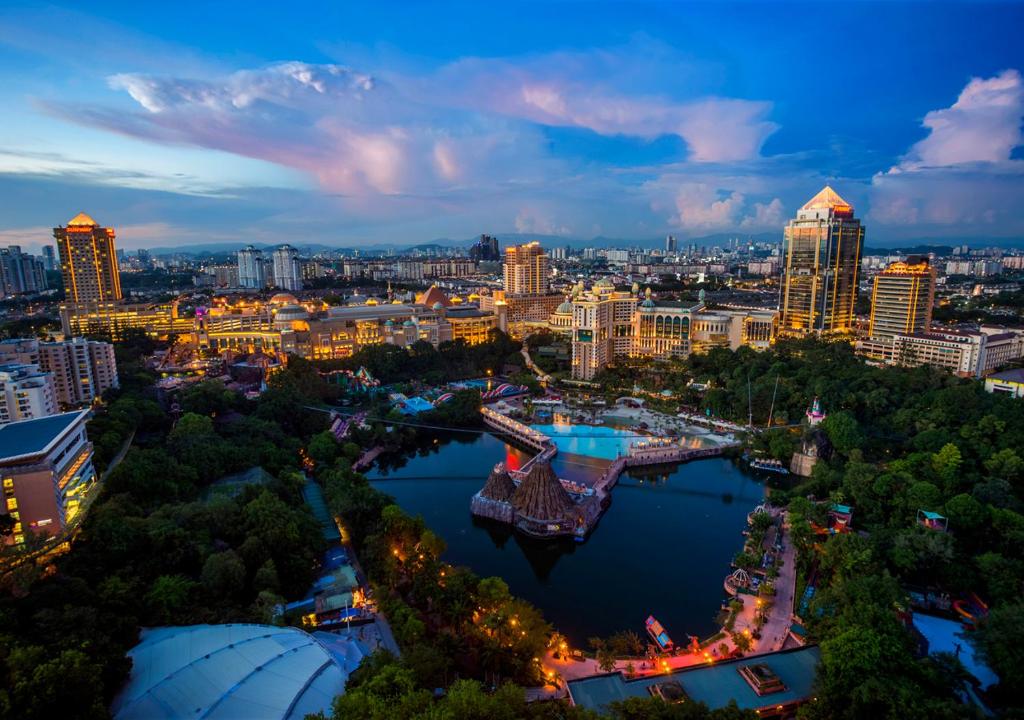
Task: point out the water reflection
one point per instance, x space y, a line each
663 546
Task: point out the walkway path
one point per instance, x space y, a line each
775 630
541 375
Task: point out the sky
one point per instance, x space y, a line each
360 124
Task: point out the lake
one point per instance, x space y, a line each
663 547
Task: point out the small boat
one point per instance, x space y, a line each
772 466
658 634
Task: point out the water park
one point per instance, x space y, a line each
535 501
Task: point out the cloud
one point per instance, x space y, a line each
963 171
532 221
982 126
281 84
594 90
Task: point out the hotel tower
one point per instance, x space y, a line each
902 298
88 261
822 249
527 270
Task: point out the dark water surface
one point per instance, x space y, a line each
663 547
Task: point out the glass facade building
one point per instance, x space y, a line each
822 247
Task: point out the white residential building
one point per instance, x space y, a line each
25 393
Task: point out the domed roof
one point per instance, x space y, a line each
389 323
291 312
456 300
408 323
604 283
373 301
234 671
564 309
283 298
473 297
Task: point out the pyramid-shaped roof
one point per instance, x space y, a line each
499 485
827 198
81 219
433 295
540 495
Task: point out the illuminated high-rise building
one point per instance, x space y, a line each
822 255
251 271
287 268
88 261
902 298
527 270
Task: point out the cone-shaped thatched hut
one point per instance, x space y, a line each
540 496
499 485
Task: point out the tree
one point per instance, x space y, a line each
223 574
843 432
1001 641
167 596
742 641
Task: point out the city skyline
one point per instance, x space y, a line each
680 120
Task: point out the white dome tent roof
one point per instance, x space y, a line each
234 671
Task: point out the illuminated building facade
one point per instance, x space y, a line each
81 369
608 324
822 255
527 270
45 469
88 261
112 319
902 298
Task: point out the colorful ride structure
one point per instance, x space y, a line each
971 609
505 390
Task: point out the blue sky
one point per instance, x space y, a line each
357 124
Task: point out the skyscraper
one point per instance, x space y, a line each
486 249
20 272
49 258
251 272
819 282
526 270
287 269
902 298
670 244
88 261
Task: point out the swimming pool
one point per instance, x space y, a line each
598 441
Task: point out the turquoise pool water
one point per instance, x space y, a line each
597 441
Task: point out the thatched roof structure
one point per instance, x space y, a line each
540 495
499 485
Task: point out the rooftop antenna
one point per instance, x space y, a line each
771 411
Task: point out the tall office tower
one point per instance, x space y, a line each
902 298
526 270
25 393
287 268
49 258
819 281
88 261
486 249
670 244
20 272
251 271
